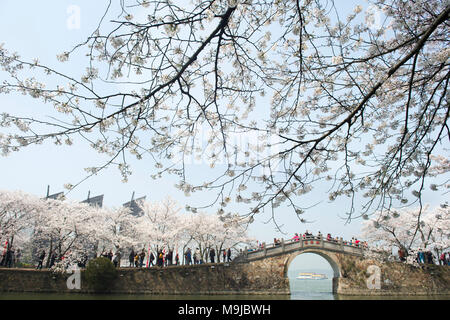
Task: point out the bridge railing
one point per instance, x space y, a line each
303 241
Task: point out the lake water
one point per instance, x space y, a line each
300 290
306 289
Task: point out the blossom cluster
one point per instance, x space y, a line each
76 230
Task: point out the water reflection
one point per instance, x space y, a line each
82 296
311 289
298 295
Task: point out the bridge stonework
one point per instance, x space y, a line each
270 274
353 273
271 265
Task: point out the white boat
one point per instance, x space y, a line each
311 276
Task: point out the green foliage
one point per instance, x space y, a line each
24 265
100 274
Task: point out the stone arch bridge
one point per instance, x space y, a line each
262 271
266 268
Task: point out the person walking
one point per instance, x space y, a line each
116 259
152 257
212 254
131 257
136 260
195 257
426 257
229 254
421 256
142 258
198 256
430 257
2 262
41 260
188 256
9 257
13 257
401 255
160 261
170 257
52 259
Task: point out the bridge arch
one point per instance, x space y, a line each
328 256
273 260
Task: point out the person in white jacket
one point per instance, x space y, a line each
198 256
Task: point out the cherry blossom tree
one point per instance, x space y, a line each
118 228
159 225
208 231
164 226
73 230
232 233
65 228
17 210
410 230
355 99
202 231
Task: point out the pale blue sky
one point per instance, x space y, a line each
38 29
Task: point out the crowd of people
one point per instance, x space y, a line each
10 257
444 259
309 236
197 258
163 258
136 259
427 257
53 259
